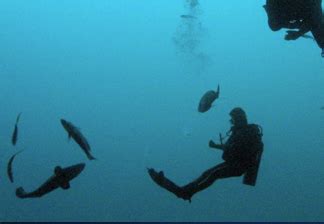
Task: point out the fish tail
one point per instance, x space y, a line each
20 192
90 157
18 117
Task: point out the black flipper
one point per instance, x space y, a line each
20 192
162 181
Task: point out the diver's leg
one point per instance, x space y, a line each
318 34
161 180
223 170
205 175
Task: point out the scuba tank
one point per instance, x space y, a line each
250 176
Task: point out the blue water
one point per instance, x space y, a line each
130 74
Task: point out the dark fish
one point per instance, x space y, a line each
207 99
9 167
75 133
61 178
14 137
188 17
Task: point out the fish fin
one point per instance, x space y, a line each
218 90
58 170
65 185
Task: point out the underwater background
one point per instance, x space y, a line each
130 74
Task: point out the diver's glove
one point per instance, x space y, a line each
292 35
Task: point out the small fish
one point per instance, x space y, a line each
9 167
14 137
207 99
188 17
75 133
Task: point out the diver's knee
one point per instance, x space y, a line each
274 26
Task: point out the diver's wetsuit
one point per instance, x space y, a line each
239 155
304 15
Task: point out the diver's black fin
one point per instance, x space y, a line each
162 181
20 192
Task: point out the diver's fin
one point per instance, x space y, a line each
65 185
20 192
162 181
57 170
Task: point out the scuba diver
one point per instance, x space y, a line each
241 154
303 15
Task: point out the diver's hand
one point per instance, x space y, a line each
212 144
292 35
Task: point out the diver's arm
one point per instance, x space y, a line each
212 144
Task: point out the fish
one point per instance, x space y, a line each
207 99
75 133
61 178
14 136
9 166
188 17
